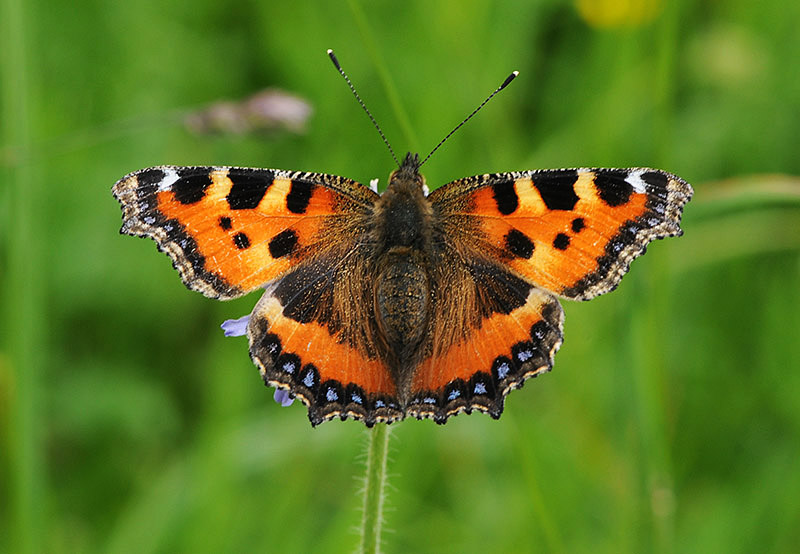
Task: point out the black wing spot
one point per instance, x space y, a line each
241 241
455 390
519 244
191 188
283 244
578 224
503 291
299 196
539 331
248 189
225 223
309 377
426 399
551 311
288 363
612 187
502 367
561 241
557 189
523 352
150 177
506 197
306 293
271 344
355 395
481 384
656 179
331 392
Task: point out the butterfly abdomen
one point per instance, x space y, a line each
402 292
402 302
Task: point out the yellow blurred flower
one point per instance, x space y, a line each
606 14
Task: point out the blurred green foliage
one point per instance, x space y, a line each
672 419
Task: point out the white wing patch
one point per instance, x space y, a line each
634 179
170 177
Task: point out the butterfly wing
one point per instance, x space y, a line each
472 363
573 232
507 245
305 237
231 230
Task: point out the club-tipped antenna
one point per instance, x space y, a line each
332 56
476 110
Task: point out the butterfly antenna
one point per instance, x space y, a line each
476 110
361 102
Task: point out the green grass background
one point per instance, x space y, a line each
671 421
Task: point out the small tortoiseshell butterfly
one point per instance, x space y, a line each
378 307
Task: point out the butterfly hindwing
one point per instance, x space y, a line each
573 232
314 333
332 372
495 355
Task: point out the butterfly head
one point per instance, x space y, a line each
407 176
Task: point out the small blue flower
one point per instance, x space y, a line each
235 327
238 328
283 397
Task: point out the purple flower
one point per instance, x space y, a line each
238 328
235 327
283 397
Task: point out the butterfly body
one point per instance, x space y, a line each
379 307
401 288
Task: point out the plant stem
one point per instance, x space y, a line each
371 47
373 492
22 305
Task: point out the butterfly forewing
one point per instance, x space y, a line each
231 230
573 232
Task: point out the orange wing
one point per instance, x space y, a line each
306 238
573 232
504 245
513 343
333 376
231 230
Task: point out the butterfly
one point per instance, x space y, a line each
380 307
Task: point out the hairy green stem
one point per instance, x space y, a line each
373 491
